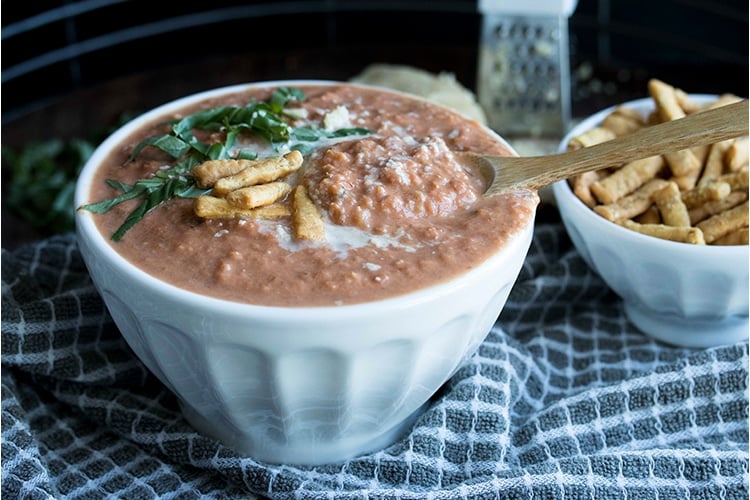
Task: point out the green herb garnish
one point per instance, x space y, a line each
267 119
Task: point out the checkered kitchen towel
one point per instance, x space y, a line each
564 399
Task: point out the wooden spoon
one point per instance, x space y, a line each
534 172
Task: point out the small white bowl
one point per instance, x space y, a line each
305 385
682 294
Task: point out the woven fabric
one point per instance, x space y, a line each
564 399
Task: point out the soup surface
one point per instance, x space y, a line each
400 212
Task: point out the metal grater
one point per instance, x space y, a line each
523 81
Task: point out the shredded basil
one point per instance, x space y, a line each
267 119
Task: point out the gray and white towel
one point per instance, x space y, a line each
564 399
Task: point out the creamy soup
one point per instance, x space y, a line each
399 211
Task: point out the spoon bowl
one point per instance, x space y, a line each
534 172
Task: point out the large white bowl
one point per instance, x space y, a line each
683 294
296 385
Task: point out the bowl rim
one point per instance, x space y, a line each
85 225
562 189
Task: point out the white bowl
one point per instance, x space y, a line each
306 385
683 294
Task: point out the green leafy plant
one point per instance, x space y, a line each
39 178
40 182
267 119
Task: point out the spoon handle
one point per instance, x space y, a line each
705 127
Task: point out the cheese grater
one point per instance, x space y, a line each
523 80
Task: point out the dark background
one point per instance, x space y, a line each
79 64
73 67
